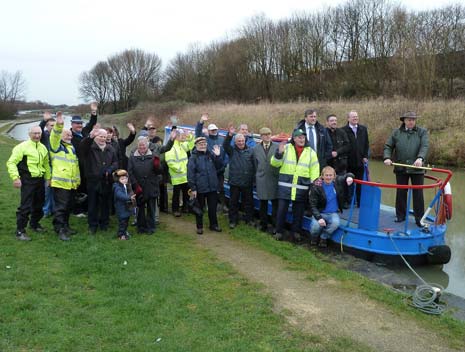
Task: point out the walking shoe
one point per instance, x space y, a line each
323 243
37 228
215 228
199 231
232 225
177 214
21 236
80 215
297 237
70 231
62 235
278 236
399 219
314 241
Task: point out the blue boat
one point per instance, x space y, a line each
370 231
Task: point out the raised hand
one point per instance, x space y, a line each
204 118
47 115
131 127
216 150
281 147
93 108
60 120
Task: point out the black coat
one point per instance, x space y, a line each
317 196
98 164
241 165
202 171
359 146
341 145
324 145
143 173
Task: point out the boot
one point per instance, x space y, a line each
62 235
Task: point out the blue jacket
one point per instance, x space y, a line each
202 171
121 198
211 142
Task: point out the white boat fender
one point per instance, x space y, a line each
448 200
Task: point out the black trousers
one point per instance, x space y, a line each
163 197
212 202
98 197
263 212
417 195
245 194
298 209
63 199
177 190
32 201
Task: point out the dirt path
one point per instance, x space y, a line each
321 307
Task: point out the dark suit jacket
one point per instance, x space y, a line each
359 146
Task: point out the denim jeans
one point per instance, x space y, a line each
332 223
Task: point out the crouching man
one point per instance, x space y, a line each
326 198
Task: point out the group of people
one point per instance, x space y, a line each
92 160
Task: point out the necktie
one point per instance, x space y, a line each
311 139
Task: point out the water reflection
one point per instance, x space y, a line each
451 276
20 131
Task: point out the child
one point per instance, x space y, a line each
123 200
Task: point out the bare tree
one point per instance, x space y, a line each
12 87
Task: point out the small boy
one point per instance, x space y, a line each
123 200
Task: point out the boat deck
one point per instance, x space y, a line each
386 220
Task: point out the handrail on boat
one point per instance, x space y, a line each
439 182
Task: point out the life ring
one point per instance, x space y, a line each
448 200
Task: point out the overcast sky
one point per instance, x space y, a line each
53 41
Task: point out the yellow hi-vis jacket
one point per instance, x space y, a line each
176 159
65 165
295 176
29 159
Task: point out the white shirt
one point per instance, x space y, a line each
307 126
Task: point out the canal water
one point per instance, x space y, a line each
451 276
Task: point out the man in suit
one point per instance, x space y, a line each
266 178
316 136
359 149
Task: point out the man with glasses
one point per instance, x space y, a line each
28 167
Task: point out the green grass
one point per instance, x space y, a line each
170 296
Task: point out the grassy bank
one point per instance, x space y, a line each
444 119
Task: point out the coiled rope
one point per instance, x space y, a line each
426 296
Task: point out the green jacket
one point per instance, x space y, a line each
29 159
65 165
405 147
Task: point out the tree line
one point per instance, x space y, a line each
359 49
